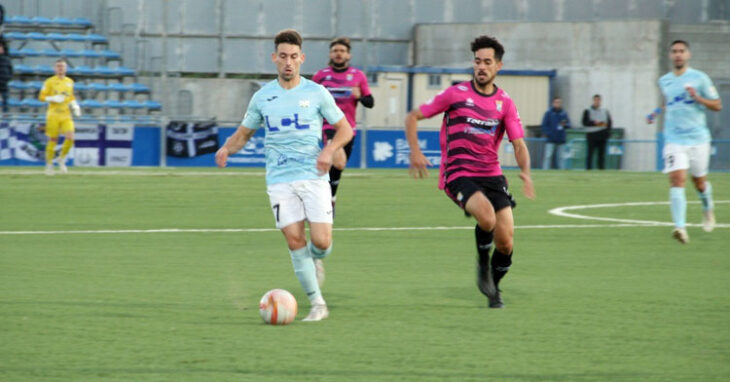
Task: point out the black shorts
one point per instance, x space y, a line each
330 133
495 188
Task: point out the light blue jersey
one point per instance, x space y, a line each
685 122
293 122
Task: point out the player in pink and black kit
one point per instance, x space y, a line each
477 114
348 86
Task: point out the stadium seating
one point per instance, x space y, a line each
101 89
38 36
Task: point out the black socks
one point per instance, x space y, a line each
500 265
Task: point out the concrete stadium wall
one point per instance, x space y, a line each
224 99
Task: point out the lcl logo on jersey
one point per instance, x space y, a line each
285 122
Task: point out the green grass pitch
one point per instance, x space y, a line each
599 303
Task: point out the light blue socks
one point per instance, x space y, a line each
318 253
304 269
706 198
678 206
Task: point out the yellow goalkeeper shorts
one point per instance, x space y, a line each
58 125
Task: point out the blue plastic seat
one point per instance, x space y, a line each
132 104
98 86
112 104
22 69
76 37
81 70
44 70
82 22
139 88
62 21
124 71
36 36
18 20
90 53
109 54
35 85
70 53
15 53
91 104
19 85
118 87
95 38
30 52
51 53
15 36
31 102
152 105
40 20
13 102
104 71
56 36
80 86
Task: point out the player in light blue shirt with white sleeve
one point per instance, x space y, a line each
688 93
291 109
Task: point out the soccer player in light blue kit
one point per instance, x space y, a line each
687 94
291 109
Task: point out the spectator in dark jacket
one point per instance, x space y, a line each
595 116
554 123
6 73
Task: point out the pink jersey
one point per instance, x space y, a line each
340 84
473 127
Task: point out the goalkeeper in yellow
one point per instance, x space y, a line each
58 91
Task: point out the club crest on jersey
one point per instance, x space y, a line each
328 77
304 103
498 104
349 77
462 88
469 102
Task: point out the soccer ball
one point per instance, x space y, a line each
278 307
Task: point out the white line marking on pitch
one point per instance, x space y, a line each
245 230
147 173
561 211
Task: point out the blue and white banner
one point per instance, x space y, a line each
95 145
389 148
24 141
104 145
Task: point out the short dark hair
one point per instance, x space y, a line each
483 42
556 97
62 60
288 36
341 41
679 42
596 96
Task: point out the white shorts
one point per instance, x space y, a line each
696 158
301 200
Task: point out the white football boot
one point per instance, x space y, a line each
708 221
318 313
62 165
319 269
49 169
681 235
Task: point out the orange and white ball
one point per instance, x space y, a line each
278 307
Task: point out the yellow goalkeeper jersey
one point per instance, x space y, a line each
54 86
